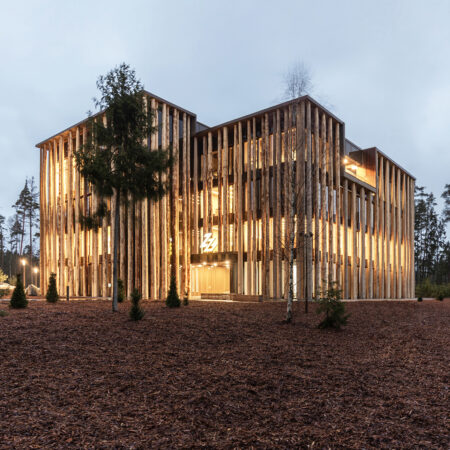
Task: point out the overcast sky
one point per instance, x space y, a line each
383 67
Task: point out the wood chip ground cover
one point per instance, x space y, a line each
224 375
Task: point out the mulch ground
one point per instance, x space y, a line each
224 375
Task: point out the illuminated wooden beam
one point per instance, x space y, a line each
175 215
209 169
219 192
393 244
196 199
300 157
362 233
41 218
388 229
399 237
188 205
354 279
278 241
316 204
184 208
382 209
345 193
240 216
309 231
62 233
254 206
226 195
370 242
337 182
411 239
248 207
325 150
69 188
77 221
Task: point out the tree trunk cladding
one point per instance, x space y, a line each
272 204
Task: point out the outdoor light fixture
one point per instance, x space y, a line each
345 161
23 261
35 270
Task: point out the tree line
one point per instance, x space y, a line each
19 235
432 248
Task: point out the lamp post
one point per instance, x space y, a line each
35 271
23 261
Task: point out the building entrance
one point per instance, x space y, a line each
210 279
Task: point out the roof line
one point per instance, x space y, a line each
393 162
156 97
270 108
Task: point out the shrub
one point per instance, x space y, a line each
3 313
330 303
428 289
18 298
173 301
52 292
4 292
419 299
136 312
185 299
440 297
120 291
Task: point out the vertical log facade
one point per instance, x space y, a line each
223 229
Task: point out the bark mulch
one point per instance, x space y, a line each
223 375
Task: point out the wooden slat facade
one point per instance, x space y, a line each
227 209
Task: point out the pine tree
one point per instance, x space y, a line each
446 196
121 291
173 301
18 298
52 292
117 159
136 312
429 235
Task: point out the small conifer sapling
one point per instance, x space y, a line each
18 298
136 312
331 304
52 292
173 301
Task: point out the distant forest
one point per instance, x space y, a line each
432 248
19 237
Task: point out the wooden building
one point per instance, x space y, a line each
225 225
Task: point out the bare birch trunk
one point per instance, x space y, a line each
292 233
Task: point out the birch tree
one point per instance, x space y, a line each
297 81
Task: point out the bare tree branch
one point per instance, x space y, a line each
297 81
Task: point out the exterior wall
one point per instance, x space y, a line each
228 210
81 258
